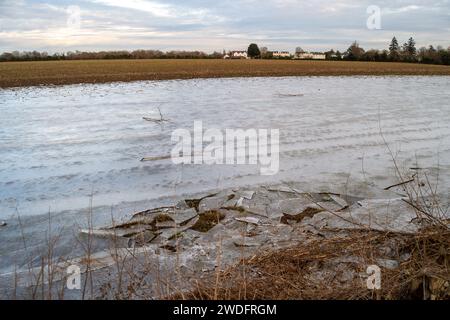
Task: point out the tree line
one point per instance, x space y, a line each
105 55
396 53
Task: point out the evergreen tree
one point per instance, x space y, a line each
394 49
405 48
412 47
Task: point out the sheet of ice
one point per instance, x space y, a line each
58 145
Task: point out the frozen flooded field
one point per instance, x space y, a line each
59 145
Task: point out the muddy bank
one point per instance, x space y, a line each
166 251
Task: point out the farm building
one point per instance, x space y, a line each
281 54
303 55
238 55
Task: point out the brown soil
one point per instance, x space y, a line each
19 74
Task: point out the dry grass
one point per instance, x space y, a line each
316 271
17 74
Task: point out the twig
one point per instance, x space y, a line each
400 184
431 217
155 158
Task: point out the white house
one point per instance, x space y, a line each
302 55
281 54
238 55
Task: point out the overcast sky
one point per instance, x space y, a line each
51 26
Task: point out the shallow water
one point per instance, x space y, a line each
59 145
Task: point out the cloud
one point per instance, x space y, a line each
164 10
401 9
154 8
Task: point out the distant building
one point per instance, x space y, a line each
281 54
303 55
238 55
